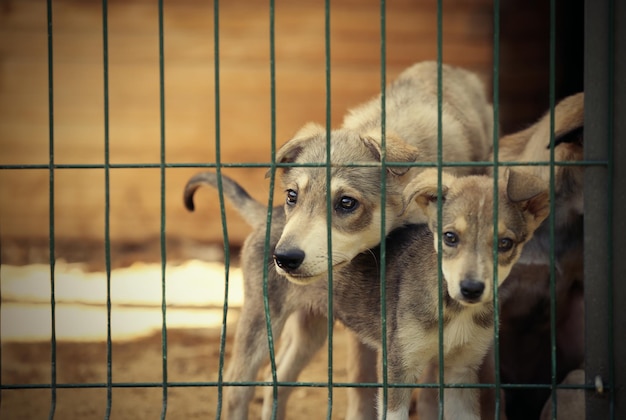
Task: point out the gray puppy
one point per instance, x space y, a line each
411 128
412 289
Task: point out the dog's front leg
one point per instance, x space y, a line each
398 398
461 403
398 401
303 335
249 352
361 364
428 407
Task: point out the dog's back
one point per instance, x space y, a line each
533 145
411 112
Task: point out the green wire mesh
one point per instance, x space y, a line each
605 164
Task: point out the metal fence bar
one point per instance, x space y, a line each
52 257
163 245
383 182
269 165
218 166
597 123
496 174
330 321
552 215
270 202
604 197
618 184
440 287
107 204
305 384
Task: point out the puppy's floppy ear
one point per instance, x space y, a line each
424 188
522 186
530 193
397 150
289 151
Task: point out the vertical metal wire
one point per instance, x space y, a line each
107 210
440 201
496 176
270 204
163 218
551 217
329 207
383 199
53 341
220 190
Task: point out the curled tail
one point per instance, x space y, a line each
253 212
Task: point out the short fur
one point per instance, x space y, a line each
411 289
355 191
525 297
533 144
525 354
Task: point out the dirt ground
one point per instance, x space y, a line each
194 313
192 356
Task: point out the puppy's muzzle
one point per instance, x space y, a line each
472 290
289 260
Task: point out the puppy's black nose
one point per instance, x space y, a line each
472 289
289 260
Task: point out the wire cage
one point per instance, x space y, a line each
604 70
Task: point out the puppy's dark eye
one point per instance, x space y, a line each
450 239
505 244
292 198
347 204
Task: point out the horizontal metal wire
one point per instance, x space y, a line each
214 384
212 165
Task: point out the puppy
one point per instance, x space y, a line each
412 289
356 154
525 297
525 317
533 144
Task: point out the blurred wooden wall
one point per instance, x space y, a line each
134 134
190 119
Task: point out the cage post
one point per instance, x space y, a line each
605 191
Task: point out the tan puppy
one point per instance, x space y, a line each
525 297
533 144
355 191
411 289
525 328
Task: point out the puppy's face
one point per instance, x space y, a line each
468 243
354 200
